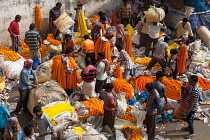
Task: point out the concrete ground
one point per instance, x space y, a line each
171 128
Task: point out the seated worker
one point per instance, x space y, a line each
158 55
88 44
69 42
183 29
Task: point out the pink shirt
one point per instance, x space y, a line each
70 44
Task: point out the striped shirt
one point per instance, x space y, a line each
32 37
193 92
90 75
126 60
54 13
125 10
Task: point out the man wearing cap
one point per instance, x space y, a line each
32 38
24 83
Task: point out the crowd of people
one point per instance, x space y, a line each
98 66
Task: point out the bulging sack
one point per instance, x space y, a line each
43 72
52 49
11 69
155 14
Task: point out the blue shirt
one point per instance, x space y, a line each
54 13
24 81
4 113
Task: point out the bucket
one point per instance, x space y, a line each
204 34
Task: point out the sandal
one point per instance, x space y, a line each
189 136
185 129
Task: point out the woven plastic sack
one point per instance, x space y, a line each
199 56
43 72
54 49
155 14
11 69
46 93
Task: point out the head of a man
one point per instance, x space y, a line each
86 37
133 1
88 61
58 5
166 39
150 87
154 23
184 21
163 2
102 19
28 130
101 55
119 47
32 26
193 80
160 75
68 37
38 111
101 13
109 87
125 2
28 63
18 18
69 52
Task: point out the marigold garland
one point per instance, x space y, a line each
203 83
118 72
1 80
98 45
50 38
114 18
95 17
182 58
9 55
129 45
145 61
95 105
38 17
128 116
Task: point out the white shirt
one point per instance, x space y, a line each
183 31
101 74
160 49
145 27
153 30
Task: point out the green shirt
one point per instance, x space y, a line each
32 38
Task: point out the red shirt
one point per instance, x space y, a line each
108 99
70 44
14 27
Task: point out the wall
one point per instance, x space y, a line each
26 8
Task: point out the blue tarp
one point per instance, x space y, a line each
200 19
199 5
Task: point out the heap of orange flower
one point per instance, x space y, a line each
128 116
132 133
9 55
50 38
38 17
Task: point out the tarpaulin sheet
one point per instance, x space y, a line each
200 19
199 5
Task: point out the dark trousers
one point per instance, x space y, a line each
155 60
149 43
109 118
100 85
151 126
92 57
143 40
2 133
190 120
69 91
125 21
23 101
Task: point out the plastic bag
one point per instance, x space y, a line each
136 38
121 108
11 69
199 56
35 63
141 118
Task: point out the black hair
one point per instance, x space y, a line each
119 47
68 35
149 86
32 26
103 18
28 129
194 78
101 13
166 38
17 16
185 19
58 4
192 38
109 86
69 50
88 60
125 0
173 51
102 55
86 37
163 1
37 109
160 74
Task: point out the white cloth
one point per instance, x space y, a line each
160 49
183 31
88 88
153 30
145 27
101 74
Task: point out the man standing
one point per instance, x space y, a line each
151 108
165 8
161 90
158 56
102 66
54 14
109 106
46 129
135 9
125 13
15 32
126 61
24 83
192 105
183 29
89 47
32 38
